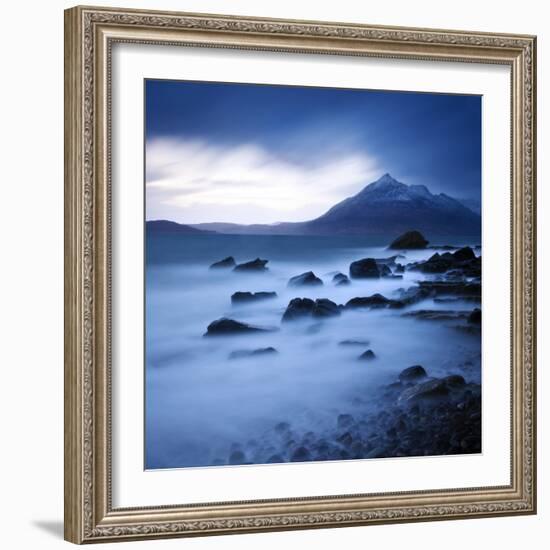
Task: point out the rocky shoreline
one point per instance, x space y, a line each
415 415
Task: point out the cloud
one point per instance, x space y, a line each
193 181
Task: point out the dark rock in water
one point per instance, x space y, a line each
343 282
237 457
464 254
414 373
242 353
325 308
451 288
411 240
305 279
436 315
225 263
390 261
345 420
254 265
249 297
340 278
374 301
227 327
301 454
306 307
454 381
475 317
298 308
354 343
367 355
438 263
385 271
366 268
399 268
410 296
433 389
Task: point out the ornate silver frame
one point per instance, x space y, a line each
89 35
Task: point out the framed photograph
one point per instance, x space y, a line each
300 274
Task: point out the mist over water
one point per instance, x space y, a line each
200 404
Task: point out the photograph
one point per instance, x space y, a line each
312 274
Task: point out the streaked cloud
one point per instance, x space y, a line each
194 181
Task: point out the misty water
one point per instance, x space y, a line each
201 405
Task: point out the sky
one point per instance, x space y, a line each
247 153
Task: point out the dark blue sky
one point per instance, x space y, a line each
420 138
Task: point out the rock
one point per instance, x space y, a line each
374 301
301 454
367 355
451 288
224 264
325 308
414 373
454 381
366 268
250 297
298 308
464 254
254 265
343 282
411 240
242 353
390 261
305 279
436 315
345 421
410 296
399 268
306 307
354 343
384 270
475 317
227 327
340 278
431 390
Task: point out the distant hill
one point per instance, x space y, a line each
384 207
473 204
166 226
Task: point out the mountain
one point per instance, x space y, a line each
384 207
389 206
166 226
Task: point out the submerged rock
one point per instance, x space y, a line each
354 343
305 279
340 279
254 265
299 308
464 254
367 355
224 264
411 240
366 268
436 315
249 297
433 389
243 353
227 327
451 288
475 316
374 301
414 373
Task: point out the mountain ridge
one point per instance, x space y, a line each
385 206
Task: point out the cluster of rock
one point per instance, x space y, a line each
417 415
229 263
